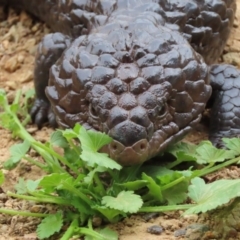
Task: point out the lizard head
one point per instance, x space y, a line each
144 88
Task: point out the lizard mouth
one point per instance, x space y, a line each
127 156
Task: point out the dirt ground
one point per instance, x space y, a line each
19 36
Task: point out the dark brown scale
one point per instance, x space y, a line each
139 70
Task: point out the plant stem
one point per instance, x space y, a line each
32 161
166 208
22 133
92 233
90 224
45 199
26 120
173 183
78 193
59 157
70 231
207 170
75 148
173 164
17 97
22 213
99 184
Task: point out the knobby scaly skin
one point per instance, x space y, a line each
135 69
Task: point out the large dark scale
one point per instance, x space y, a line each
140 70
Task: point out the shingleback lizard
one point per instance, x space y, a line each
141 71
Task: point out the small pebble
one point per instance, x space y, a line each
26 76
37 208
25 20
30 44
3 197
191 217
30 236
5 44
4 228
11 64
12 85
155 229
20 58
180 232
35 27
196 231
231 58
13 20
97 221
147 217
198 227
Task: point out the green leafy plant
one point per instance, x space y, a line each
86 184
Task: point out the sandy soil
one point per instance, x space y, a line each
19 36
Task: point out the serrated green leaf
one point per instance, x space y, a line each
207 153
176 194
69 134
57 139
92 140
9 164
17 152
50 225
183 151
186 173
2 178
72 157
32 185
99 159
21 187
123 202
156 171
53 181
210 196
233 144
81 206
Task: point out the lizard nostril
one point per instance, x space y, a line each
142 146
92 111
163 111
114 147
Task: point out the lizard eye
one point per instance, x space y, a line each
92 111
